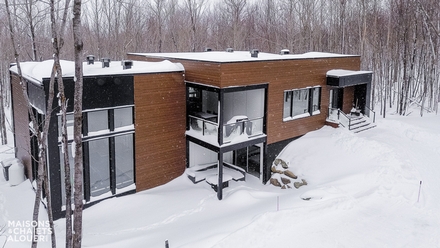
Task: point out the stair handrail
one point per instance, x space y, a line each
374 113
348 118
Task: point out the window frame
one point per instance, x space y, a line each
289 103
109 135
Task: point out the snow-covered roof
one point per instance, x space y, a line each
239 56
344 73
37 71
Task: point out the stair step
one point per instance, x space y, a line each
365 129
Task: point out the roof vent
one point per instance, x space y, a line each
254 53
126 64
285 51
90 59
208 49
105 62
230 50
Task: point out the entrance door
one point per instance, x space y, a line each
336 98
250 159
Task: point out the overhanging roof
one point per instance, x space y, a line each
344 78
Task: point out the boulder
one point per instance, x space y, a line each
299 184
274 170
285 180
280 161
290 174
275 182
284 164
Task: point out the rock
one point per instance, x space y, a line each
285 180
299 184
280 161
284 164
274 170
284 187
290 174
275 182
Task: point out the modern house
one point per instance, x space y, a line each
220 116
133 125
243 108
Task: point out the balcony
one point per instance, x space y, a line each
237 129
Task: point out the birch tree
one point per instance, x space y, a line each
77 132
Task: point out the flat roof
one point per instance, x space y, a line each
239 56
345 73
37 71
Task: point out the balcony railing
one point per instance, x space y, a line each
239 128
202 126
242 128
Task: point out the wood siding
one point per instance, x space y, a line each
160 117
348 99
281 75
21 127
195 71
286 75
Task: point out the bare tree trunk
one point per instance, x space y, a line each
3 136
77 132
40 134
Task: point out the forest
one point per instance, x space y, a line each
397 39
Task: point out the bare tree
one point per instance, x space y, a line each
77 132
40 132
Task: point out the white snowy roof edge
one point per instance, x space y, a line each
240 56
344 73
37 71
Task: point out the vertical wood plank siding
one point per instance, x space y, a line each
281 75
160 116
347 103
286 75
21 127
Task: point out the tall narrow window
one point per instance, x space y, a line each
99 166
124 160
287 104
316 100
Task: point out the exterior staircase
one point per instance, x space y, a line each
209 174
355 121
360 123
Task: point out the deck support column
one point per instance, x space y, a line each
220 176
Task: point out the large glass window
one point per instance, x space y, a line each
300 103
97 121
123 117
300 100
99 166
124 160
104 158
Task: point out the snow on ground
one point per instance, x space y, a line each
362 190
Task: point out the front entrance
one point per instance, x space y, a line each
250 159
336 98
